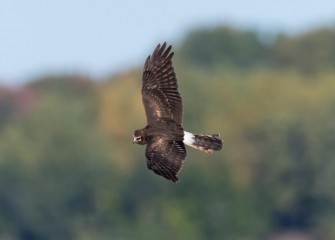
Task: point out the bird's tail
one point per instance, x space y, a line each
206 143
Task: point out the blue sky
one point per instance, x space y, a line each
102 37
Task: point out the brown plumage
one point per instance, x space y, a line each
160 94
164 134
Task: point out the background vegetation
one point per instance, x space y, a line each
69 170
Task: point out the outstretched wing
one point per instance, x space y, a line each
165 158
160 95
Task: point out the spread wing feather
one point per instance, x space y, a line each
165 158
160 95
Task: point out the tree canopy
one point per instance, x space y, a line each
69 170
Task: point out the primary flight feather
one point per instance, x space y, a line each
164 134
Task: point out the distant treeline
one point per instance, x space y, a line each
308 52
69 170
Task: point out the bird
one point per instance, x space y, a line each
164 135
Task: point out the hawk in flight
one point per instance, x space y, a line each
164 134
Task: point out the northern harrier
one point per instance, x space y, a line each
164 134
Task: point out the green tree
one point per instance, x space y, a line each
309 52
54 174
223 46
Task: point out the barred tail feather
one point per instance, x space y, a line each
206 143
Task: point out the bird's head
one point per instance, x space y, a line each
139 137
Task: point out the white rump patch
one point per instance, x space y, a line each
188 138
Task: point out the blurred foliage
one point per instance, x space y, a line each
245 49
309 53
69 170
207 48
